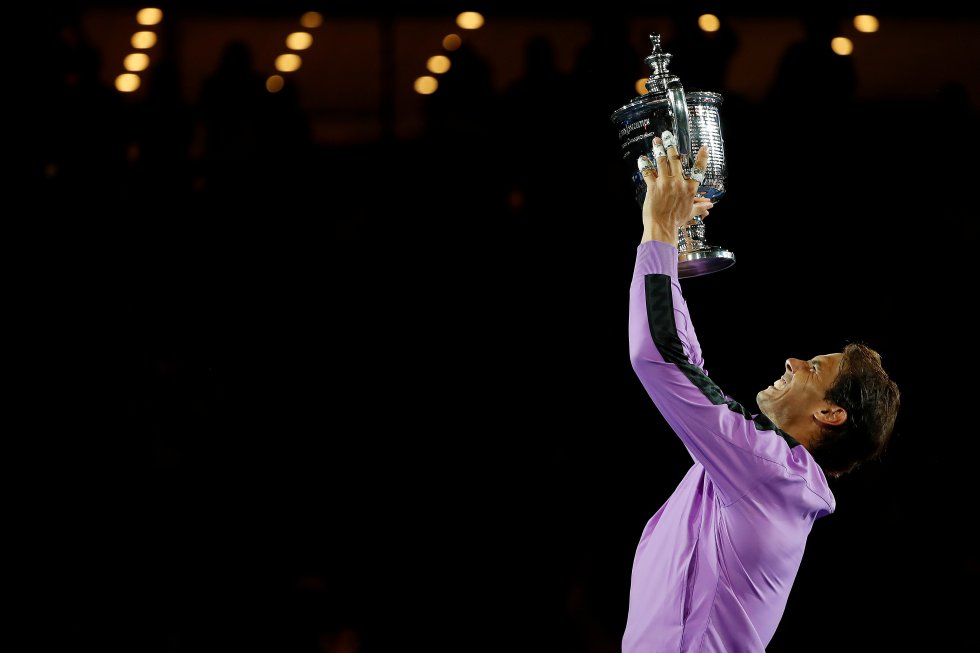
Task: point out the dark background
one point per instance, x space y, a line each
379 418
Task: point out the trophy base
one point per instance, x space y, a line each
703 261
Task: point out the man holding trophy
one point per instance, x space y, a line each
714 566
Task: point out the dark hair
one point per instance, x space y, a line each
871 400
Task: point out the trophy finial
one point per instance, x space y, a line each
658 61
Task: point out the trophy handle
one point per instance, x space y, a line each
678 106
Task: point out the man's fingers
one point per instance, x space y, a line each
673 158
700 167
659 155
701 206
664 159
701 160
647 168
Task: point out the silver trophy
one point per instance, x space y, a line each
694 120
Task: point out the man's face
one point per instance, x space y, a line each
798 394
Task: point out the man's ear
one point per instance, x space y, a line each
830 415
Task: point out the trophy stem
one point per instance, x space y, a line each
695 256
691 235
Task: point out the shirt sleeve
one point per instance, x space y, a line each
736 449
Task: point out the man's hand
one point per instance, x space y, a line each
671 200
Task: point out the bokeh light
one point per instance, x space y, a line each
136 61
127 82
438 64
451 42
866 23
144 40
274 83
149 16
426 85
709 22
287 63
311 19
842 45
641 85
299 40
470 20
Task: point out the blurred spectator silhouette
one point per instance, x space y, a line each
458 154
957 127
813 96
603 79
86 124
811 78
956 115
287 145
464 103
606 68
163 134
539 86
233 113
701 59
534 126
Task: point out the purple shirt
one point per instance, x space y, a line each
714 566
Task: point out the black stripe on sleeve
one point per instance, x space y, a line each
663 330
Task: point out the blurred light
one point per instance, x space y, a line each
127 82
438 64
274 83
842 45
149 16
470 20
136 62
426 85
641 85
709 22
451 42
144 40
311 19
299 40
287 63
866 23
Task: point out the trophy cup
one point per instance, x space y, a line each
693 118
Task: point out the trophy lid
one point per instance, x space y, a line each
657 85
659 62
